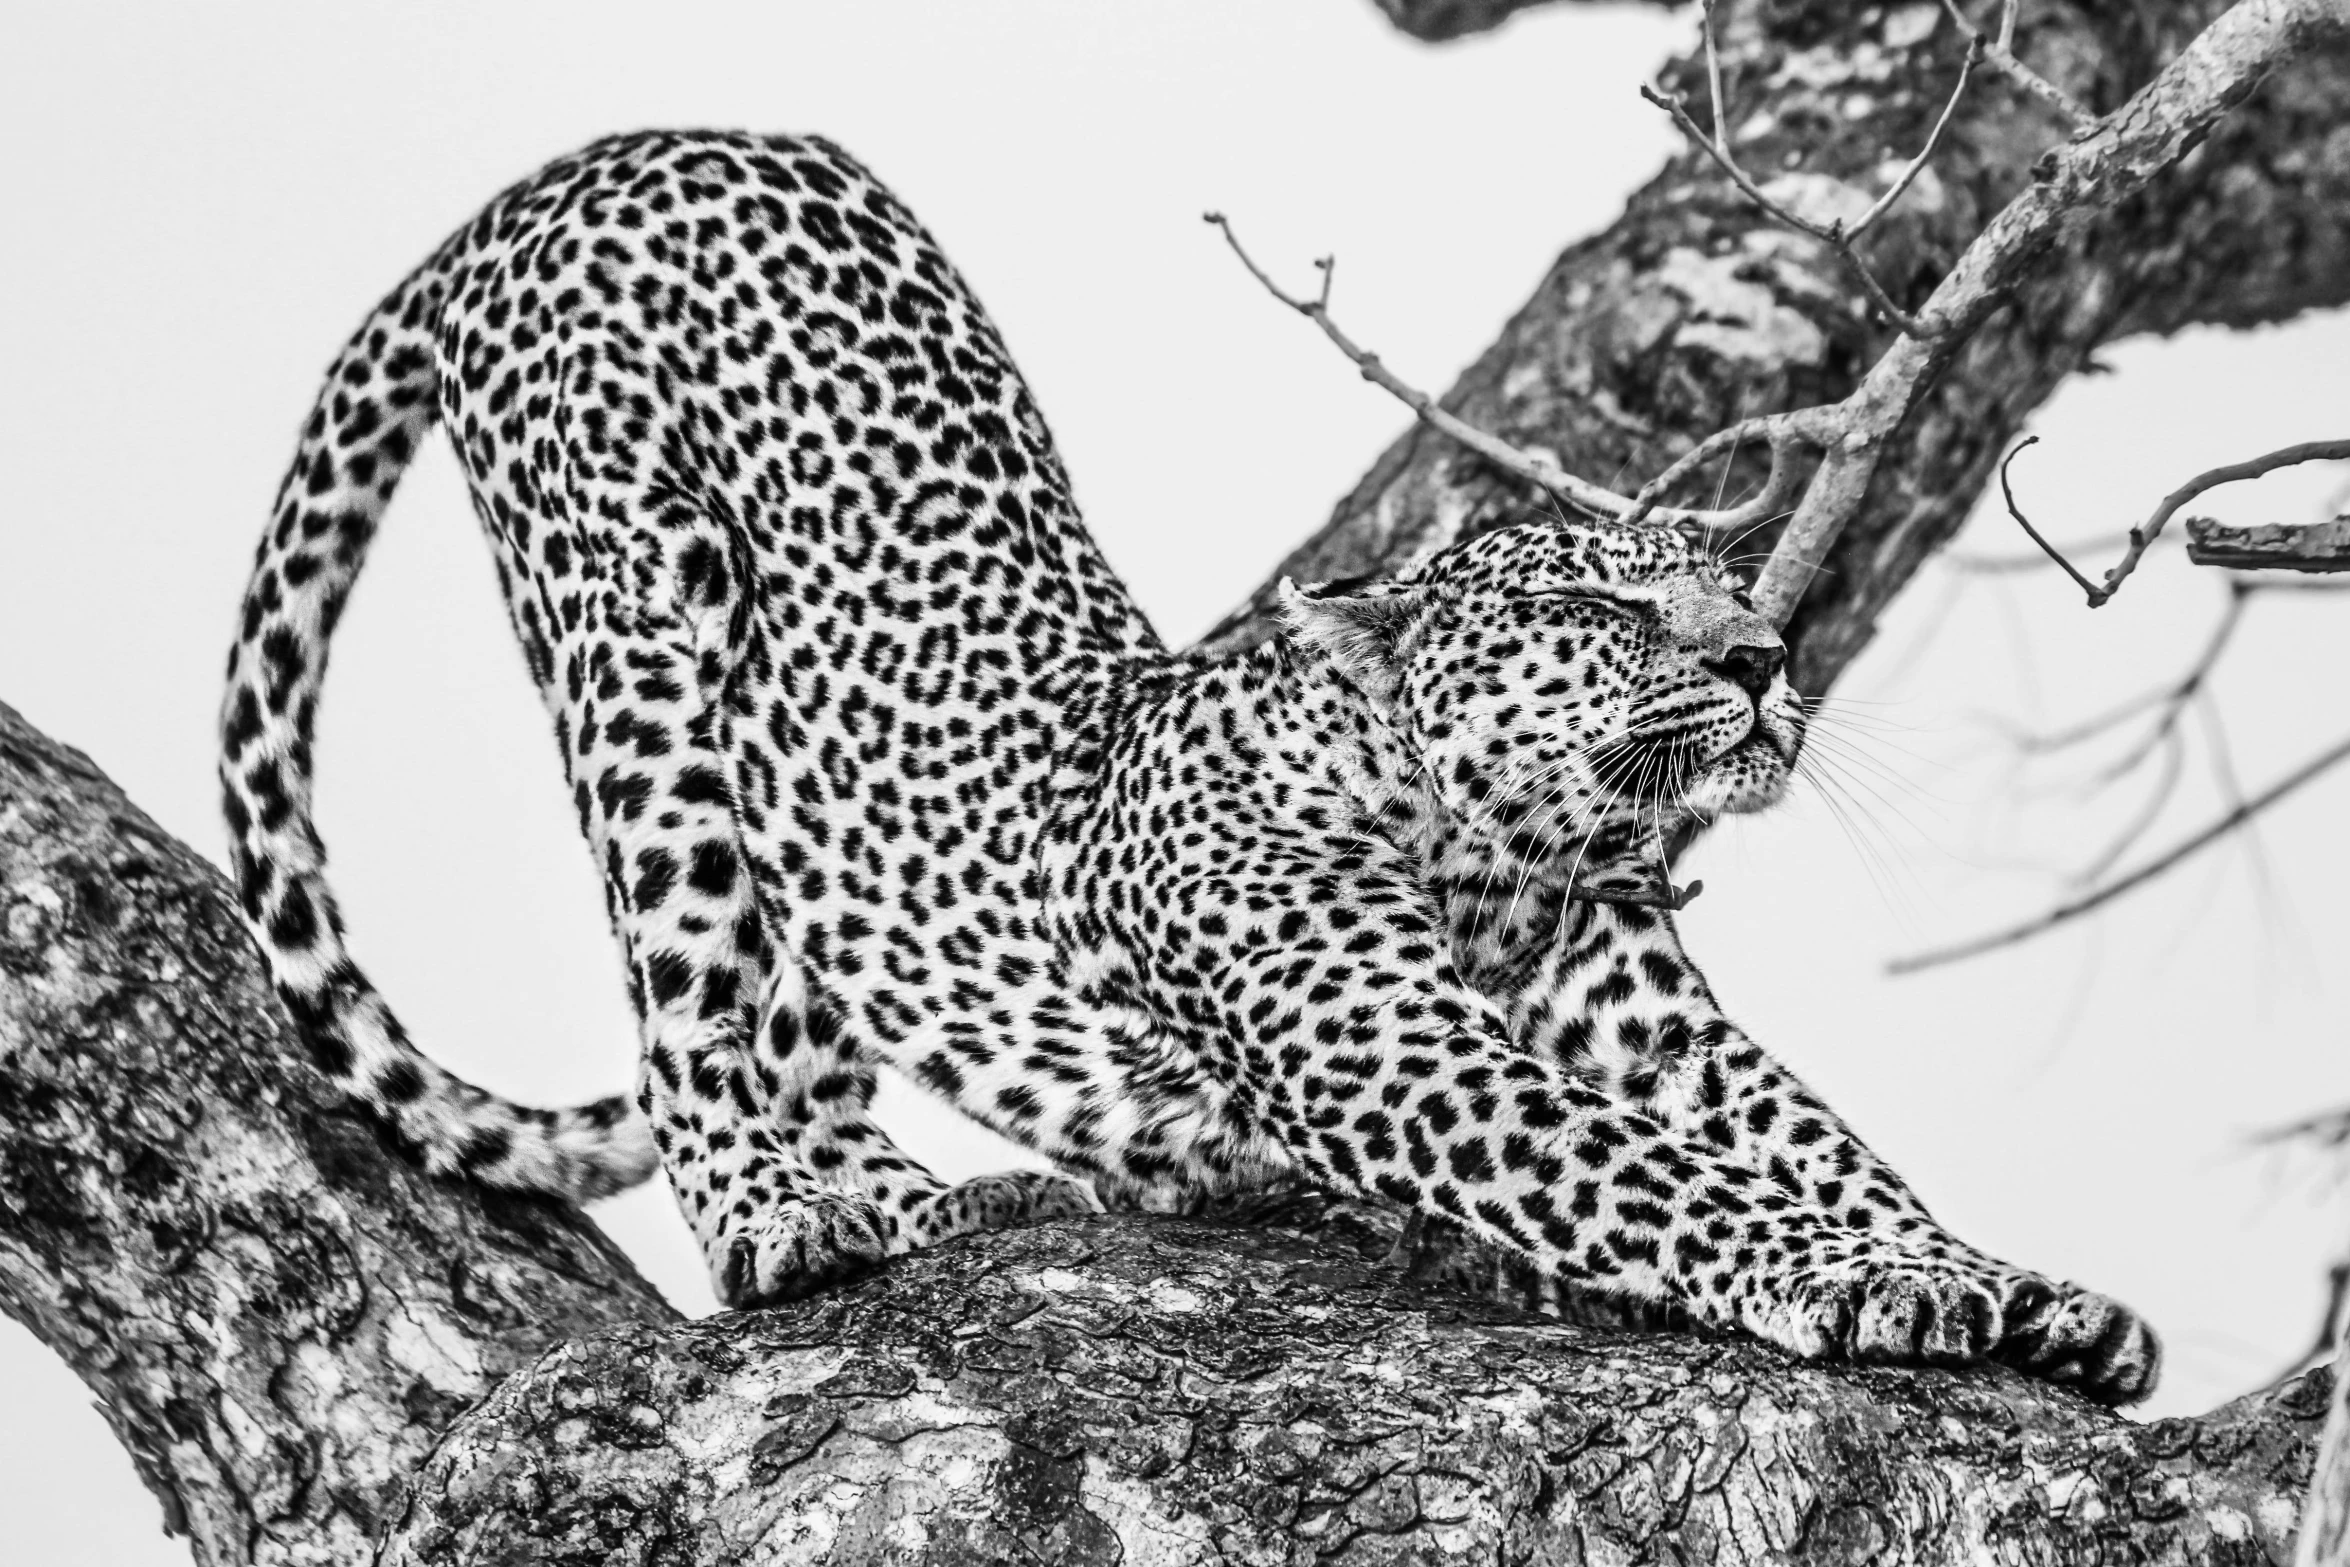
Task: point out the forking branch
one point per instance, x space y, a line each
2143 537
2103 164
2074 908
1836 234
1783 432
2160 742
1999 54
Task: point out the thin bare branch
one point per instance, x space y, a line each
2173 751
2175 697
1786 433
1837 235
2329 1130
1917 165
1999 54
2020 561
2220 751
1833 235
2142 537
2007 492
2074 908
2103 165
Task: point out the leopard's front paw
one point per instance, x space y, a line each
798 1248
999 1202
1889 1311
2088 1342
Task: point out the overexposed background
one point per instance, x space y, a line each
204 200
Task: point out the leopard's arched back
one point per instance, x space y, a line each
751 382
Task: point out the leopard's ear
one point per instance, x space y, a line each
1363 627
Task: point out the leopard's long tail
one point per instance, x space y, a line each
378 404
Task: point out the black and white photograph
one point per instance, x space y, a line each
1535 782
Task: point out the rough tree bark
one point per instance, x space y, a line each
294 1335
278 1315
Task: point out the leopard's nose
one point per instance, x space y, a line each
1750 666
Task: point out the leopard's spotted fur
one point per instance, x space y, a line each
882 765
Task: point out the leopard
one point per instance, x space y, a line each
882 766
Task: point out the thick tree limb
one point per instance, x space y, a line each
277 1315
281 1319
1159 1390
1695 310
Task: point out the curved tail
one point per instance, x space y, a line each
378 404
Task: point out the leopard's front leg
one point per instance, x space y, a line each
1333 1011
1619 1002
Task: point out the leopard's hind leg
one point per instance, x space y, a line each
819 1189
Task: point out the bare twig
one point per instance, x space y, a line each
2102 166
2174 758
2229 473
1999 54
2076 907
2163 738
1786 433
1836 234
2019 561
2221 752
2142 538
2173 698
2007 491
2329 1130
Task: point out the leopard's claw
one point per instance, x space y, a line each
2086 1341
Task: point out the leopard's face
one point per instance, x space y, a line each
1556 681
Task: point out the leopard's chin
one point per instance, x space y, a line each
1750 776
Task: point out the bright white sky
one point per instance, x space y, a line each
203 201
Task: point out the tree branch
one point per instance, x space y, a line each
2317 546
1835 234
2007 494
294 1334
2076 907
2096 171
278 1316
2143 537
2325 1522
1229 1390
1695 310
1782 433
2000 53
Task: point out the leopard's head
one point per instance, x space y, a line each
1552 682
